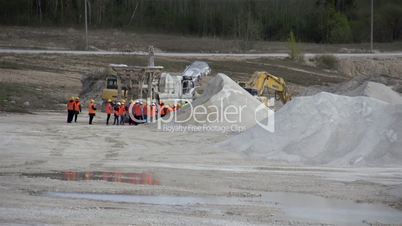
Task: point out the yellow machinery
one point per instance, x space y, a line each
133 82
262 80
111 89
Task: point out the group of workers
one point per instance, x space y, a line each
73 109
139 113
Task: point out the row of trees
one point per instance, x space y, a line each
324 21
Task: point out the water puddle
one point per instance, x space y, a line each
144 199
295 205
132 178
332 211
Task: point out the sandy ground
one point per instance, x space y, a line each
187 165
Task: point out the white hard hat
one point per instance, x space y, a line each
118 103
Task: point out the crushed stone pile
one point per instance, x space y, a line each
222 93
363 86
375 90
395 83
328 129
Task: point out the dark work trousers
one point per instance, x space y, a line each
138 119
70 115
116 120
76 115
91 117
122 119
107 119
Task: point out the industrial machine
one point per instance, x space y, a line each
176 87
132 82
196 71
150 83
262 84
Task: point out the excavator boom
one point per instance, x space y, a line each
262 80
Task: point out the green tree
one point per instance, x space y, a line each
322 21
339 29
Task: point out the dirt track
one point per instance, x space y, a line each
43 144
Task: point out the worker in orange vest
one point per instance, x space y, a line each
70 109
116 113
122 112
109 110
162 109
126 113
77 108
138 112
170 109
91 110
151 112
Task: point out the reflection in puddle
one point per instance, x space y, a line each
295 205
132 178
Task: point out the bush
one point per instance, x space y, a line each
327 62
294 49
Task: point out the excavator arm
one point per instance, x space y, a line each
262 80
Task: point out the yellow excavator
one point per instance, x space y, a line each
261 82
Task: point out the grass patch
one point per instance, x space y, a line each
327 62
19 66
11 65
13 96
11 90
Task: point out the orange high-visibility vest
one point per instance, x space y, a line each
91 109
137 110
70 105
109 109
152 111
169 110
122 110
116 111
77 106
162 110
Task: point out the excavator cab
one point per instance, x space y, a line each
111 89
267 82
263 85
111 83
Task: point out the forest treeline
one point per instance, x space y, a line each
321 21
